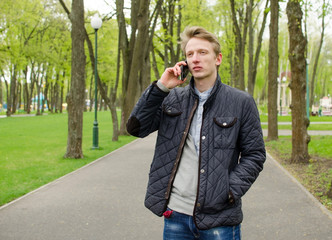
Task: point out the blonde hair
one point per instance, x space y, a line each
199 32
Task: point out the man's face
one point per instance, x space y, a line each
201 58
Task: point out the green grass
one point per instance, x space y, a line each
320 127
312 126
316 175
264 118
319 146
32 150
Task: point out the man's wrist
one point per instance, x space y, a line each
162 86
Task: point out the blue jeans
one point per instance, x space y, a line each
181 227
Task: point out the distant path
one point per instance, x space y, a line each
290 123
284 132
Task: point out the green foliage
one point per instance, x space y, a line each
32 150
39 31
36 34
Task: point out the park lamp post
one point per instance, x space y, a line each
96 24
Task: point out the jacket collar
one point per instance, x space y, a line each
215 89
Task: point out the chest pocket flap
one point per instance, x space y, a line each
225 132
169 121
171 111
225 122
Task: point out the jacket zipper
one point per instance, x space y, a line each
180 150
199 169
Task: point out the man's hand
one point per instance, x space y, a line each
170 77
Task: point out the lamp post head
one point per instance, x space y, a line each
96 22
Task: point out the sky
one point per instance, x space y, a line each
99 5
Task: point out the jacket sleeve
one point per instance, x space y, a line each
252 151
145 117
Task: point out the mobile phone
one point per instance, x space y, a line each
184 71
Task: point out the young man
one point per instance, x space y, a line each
209 149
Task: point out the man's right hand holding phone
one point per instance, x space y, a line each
170 77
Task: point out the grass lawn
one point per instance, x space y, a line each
32 149
319 127
316 176
312 126
288 118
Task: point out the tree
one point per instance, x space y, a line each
171 28
254 59
325 8
75 97
240 28
135 52
296 54
273 73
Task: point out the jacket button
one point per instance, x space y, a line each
224 124
202 170
198 205
203 137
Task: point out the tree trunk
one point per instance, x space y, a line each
135 53
114 115
39 83
25 89
56 97
7 96
126 52
19 94
61 95
46 100
313 76
250 48
240 43
137 58
11 103
75 97
252 71
273 73
297 45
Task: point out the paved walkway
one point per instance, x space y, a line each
104 200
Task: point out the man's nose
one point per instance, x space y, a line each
195 57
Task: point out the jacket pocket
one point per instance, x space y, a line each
217 193
225 132
169 121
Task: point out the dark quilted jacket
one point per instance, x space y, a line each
232 149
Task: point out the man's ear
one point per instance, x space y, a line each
218 59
